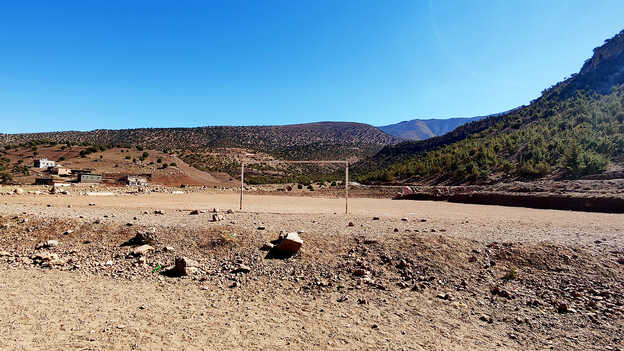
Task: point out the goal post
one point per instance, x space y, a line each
346 163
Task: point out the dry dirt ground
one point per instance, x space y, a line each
423 276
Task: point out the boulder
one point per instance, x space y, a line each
242 268
290 244
141 250
47 244
185 266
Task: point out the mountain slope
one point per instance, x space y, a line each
575 128
420 129
300 141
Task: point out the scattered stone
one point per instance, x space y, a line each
291 244
241 268
185 266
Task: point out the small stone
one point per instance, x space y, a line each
194 212
375 218
261 227
185 266
68 232
19 191
168 249
486 318
396 230
217 217
267 247
404 219
350 224
241 268
108 263
48 244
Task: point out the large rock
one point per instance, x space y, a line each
185 266
47 244
141 250
290 244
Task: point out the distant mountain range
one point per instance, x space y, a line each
420 129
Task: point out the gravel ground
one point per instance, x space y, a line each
424 276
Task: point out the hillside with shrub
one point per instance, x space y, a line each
575 129
315 141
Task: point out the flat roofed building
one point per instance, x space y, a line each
89 178
44 163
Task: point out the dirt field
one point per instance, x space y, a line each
424 276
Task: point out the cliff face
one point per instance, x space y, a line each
601 72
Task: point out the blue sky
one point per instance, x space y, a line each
81 65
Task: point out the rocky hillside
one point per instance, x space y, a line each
299 141
575 129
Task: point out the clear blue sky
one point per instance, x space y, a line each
81 65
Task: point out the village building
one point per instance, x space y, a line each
135 181
89 178
61 171
44 163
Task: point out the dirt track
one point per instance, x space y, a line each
431 295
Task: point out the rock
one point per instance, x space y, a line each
217 217
267 247
291 244
48 244
241 268
108 263
350 224
229 211
396 230
361 272
142 238
261 227
194 212
375 218
423 220
67 232
168 249
47 259
142 250
19 191
443 296
486 318
404 219
185 266
159 212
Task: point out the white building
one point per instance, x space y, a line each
44 163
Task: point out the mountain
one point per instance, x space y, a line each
575 128
420 129
323 140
